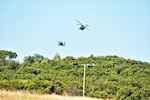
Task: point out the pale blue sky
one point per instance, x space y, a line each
118 27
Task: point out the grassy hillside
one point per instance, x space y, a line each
112 76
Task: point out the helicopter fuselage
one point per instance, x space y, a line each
82 27
61 44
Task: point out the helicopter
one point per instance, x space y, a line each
61 43
82 27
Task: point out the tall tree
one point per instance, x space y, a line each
6 56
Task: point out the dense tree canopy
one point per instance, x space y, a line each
111 77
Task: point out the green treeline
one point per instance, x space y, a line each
111 77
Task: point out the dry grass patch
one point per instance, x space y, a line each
9 95
19 95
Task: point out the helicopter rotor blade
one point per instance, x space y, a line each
79 22
58 41
87 25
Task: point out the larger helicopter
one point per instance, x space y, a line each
82 27
61 43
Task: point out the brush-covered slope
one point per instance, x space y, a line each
111 77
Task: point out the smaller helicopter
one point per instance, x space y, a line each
82 27
61 43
